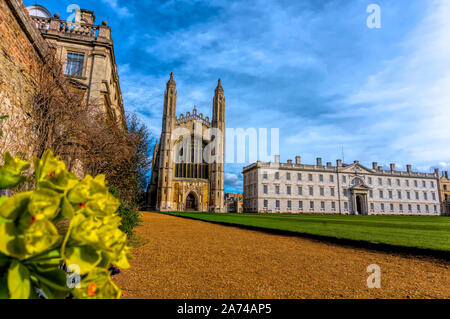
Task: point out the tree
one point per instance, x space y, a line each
132 176
129 183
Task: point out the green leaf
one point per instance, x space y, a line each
3 199
4 261
67 210
10 179
11 171
51 173
45 202
15 205
86 257
93 195
85 230
19 284
40 236
97 285
48 255
4 294
10 245
53 283
122 260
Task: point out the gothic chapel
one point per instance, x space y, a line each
182 178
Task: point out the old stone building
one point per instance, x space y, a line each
234 203
22 53
445 193
183 178
344 188
26 42
87 52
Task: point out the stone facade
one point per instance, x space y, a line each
234 203
22 54
445 193
181 178
25 43
87 51
346 189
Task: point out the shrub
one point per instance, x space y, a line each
131 177
63 223
129 214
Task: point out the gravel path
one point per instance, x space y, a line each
193 259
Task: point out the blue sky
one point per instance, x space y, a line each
311 68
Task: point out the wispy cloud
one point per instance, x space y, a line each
233 181
122 11
311 68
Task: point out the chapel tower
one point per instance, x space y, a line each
217 168
183 179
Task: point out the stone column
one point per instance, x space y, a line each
353 203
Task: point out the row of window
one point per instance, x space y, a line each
383 207
331 179
382 193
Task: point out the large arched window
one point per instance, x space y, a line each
189 160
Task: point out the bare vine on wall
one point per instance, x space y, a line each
86 137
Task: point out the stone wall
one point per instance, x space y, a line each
22 53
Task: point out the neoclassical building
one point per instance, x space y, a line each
183 178
344 188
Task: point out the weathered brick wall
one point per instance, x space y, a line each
22 50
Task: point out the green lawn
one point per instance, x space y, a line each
409 231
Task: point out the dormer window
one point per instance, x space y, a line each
74 64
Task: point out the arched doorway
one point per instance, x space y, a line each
191 202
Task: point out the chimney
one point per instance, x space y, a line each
392 167
408 168
298 160
277 158
356 162
446 174
380 168
319 161
375 165
328 164
339 163
289 161
436 172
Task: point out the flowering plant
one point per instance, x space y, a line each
65 223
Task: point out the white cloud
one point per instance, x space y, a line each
120 10
233 181
275 60
410 97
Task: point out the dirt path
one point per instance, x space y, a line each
193 259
